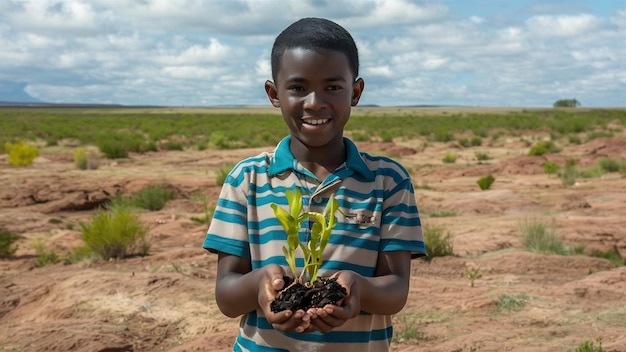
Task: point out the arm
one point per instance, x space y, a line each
238 291
387 292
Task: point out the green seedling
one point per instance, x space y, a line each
320 232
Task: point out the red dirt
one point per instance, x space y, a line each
165 301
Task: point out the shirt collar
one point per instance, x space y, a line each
282 159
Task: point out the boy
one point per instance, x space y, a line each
315 84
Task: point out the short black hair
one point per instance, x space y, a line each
313 34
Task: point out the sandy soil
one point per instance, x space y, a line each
165 301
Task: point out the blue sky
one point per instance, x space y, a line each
524 53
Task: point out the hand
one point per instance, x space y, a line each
286 321
331 316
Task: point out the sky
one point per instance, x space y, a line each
500 53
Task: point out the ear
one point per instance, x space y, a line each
357 90
272 93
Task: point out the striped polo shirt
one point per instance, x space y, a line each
376 195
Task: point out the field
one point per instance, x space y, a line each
495 292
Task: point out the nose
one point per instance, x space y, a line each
314 101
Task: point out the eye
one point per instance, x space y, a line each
295 88
334 87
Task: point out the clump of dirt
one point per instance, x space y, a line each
297 295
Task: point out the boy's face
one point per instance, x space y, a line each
315 90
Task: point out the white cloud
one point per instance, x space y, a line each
562 26
412 51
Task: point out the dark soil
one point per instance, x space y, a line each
304 296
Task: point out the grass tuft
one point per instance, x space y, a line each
115 233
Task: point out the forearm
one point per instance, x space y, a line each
237 294
384 295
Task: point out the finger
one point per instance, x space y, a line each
321 325
278 317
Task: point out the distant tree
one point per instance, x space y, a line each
566 103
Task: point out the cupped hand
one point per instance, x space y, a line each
331 316
286 321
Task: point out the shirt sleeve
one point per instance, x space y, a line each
228 231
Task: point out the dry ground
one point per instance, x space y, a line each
165 301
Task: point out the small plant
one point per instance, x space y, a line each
116 233
542 148
201 195
485 182
590 346
551 168
45 256
612 255
569 173
436 243
7 249
539 236
507 302
476 141
85 160
407 329
473 274
152 197
222 173
320 232
295 295
20 153
609 165
482 156
449 157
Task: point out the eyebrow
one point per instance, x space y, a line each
299 79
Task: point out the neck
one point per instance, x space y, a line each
321 161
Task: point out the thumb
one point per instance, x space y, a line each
275 274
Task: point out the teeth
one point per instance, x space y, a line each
316 122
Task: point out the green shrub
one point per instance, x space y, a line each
507 302
482 156
45 256
118 145
569 173
542 148
539 236
464 142
612 255
174 145
436 243
360 137
476 141
152 198
609 165
449 157
222 173
114 233
590 346
20 153
551 168
86 159
7 249
485 182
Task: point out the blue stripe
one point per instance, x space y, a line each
229 204
226 245
396 220
332 336
228 217
402 245
252 346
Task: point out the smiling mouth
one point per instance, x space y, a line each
315 122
